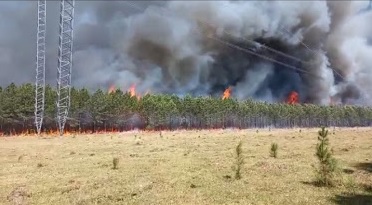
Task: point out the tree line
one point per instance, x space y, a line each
119 111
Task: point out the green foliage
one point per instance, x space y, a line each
327 164
239 160
115 163
274 150
103 111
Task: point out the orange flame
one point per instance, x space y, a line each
226 93
111 89
66 133
132 91
292 98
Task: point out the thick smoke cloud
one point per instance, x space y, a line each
183 47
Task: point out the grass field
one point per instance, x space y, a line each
182 167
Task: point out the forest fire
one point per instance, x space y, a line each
226 93
111 89
132 92
56 132
292 98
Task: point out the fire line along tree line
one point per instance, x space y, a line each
119 111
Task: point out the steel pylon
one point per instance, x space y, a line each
64 62
40 65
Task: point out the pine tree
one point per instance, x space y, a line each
274 150
327 164
239 160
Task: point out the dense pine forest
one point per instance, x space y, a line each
118 111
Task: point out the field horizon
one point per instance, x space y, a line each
183 167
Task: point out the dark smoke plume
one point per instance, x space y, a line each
202 47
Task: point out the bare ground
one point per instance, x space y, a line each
182 167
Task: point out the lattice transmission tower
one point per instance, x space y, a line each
40 65
64 62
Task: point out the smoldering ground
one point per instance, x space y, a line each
202 47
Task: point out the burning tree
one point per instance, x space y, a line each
226 93
102 111
292 98
111 89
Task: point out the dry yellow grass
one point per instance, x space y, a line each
181 167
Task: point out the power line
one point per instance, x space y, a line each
258 55
313 51
250 52
279 52
255 43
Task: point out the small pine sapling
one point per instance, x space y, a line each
115 163
327 164
239 160
274 150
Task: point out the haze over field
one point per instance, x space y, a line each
171 47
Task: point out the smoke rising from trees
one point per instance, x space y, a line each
167 47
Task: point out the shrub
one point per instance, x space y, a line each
274 150
239 160
115 163
327 164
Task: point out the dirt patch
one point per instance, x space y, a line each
18 196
